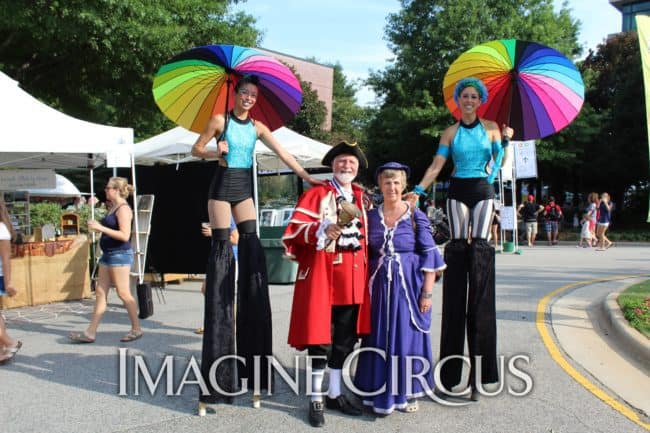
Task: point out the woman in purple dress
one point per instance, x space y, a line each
403 260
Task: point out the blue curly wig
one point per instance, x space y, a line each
471 82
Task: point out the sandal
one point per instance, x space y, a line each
411 406
80 337
6 356
131 336
16 348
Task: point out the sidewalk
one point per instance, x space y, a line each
591 330
76 388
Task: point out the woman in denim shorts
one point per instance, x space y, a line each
115 262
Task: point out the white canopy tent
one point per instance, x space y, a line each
34 135
63 188
175 145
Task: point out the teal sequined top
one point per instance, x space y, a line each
241 137
472 150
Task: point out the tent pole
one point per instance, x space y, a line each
92 195
514 207
138 253
255 197
499 243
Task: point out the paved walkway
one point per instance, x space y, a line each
582 324
61 387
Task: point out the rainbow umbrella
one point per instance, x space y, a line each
533 88
196 84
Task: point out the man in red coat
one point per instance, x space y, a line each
330 302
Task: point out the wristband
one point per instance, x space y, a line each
426 295
419 190
505 142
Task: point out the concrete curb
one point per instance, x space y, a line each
639 345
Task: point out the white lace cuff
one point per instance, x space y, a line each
321 235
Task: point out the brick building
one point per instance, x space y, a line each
320 77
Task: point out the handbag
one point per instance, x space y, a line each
145 300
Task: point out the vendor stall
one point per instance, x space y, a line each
53 270
49 271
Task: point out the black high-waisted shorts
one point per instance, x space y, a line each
233 185
470 190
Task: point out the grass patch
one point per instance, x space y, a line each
635 303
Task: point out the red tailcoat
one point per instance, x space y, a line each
327 277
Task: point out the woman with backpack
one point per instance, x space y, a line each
552 215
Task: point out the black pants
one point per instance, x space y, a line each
344 337
253 334
468 300
254 328
219 322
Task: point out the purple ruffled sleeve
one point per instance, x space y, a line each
430 258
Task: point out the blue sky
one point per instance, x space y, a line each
351 32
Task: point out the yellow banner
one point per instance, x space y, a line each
643 29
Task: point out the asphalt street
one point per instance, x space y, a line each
56 386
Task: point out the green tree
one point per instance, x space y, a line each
310 118
349 119
426 37
95 59
617 158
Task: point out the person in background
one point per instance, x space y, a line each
552 217
585 233
529 212
115 262
592 214
326 235
496 226
8 346
77 204
604 219
469 281
403 261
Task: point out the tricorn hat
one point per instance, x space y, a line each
345 148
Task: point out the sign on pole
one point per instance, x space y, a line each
507 214
525 159
20 180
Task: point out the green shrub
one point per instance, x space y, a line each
635 304
614 235
84 216
50 213
45 213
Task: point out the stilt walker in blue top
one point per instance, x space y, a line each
469 283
